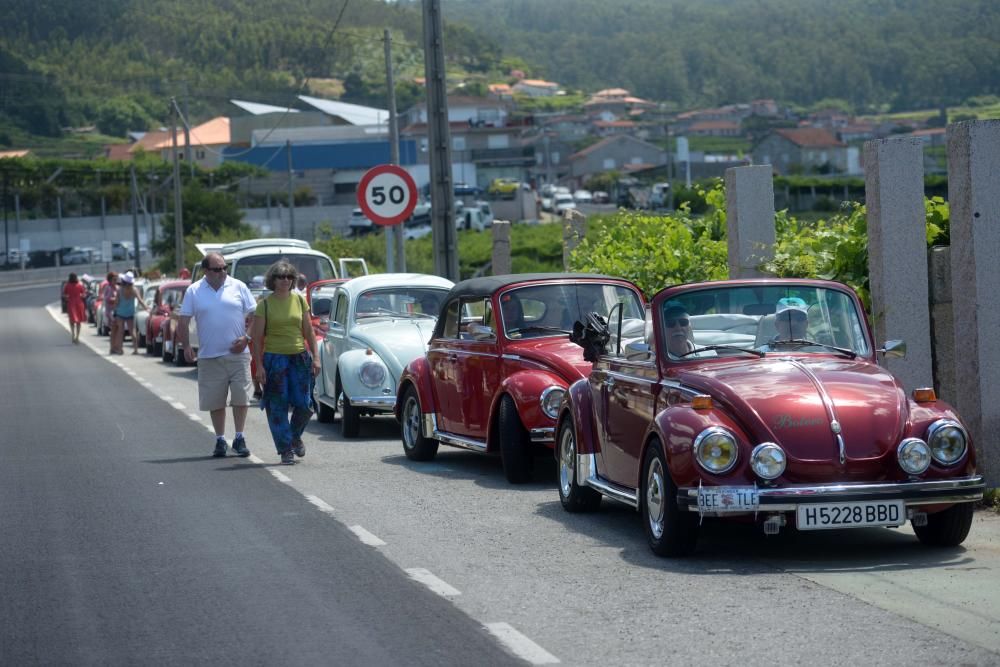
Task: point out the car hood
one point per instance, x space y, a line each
396 341
794 402
558 353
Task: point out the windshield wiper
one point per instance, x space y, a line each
537 328
756 353
851 354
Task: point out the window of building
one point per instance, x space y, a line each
458 143
609 163
498 141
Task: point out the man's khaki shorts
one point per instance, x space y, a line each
225 377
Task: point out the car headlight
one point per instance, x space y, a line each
768 460
551 399
372 374
947 441
715 450
914 456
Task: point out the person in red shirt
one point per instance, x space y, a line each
75 305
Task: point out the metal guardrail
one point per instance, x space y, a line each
51 274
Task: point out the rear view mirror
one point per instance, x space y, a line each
894 349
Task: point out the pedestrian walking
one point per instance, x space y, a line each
220 305
125 306
284 352
109 295
76 308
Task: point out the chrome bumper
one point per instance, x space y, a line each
788 499
374 402
543 435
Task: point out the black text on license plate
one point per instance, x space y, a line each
851 515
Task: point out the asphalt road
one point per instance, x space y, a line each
360 556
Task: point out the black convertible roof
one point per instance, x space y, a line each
489 284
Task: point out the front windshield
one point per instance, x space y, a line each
415 302
313 267
550 309
770 318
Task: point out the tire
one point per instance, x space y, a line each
350 416
947 528
515 447
166 355
669 531
179 360
415 445
574 498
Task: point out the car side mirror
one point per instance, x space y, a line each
321 306
480 332
894 349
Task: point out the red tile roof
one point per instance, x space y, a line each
810 137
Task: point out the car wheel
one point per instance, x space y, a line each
179 360
350 416
574 498
515 448
415 445
947 528
142 339
669 531
165 354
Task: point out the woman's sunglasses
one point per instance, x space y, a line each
678 322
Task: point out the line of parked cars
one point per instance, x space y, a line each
756 401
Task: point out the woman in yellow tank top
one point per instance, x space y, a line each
284 352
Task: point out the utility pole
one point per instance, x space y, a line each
135 217
178 210
394 253
6 231
188 150
439 136
291 196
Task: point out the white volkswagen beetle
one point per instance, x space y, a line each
377 325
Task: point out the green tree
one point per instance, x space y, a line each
209 216
118 115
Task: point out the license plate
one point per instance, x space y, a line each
851 515
728 499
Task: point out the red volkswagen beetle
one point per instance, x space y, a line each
168 295
499 361
761 400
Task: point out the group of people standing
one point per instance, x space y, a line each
232 327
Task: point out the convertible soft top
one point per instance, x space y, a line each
489 284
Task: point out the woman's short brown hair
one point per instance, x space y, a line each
284 267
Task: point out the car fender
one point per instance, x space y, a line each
417 375
578 405
349 365
676 427
525 387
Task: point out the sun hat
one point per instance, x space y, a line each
128 278
791 303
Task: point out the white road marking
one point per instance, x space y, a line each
196 418
368 538
253 457
168 399
321 504
178 405
520 645
147 385
280 476
436 585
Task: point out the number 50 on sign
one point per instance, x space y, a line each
387 194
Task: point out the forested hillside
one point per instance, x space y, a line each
68 62
874 54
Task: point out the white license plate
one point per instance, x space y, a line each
851 515
728 499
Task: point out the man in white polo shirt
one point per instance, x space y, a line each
219 305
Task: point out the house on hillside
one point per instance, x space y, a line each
208 140
475 111
536 87
616 153
714 128
257 116
501 91
805 150
616 101
607 128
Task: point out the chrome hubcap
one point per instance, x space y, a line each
567 451
655 498
411 422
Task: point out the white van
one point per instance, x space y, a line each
248 259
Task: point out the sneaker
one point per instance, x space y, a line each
240 447
220 448
288 458
299 447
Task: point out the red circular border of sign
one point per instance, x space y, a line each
363 201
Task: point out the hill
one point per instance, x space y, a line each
872 54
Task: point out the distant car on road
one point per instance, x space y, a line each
583 197
359 223
563 201
504 187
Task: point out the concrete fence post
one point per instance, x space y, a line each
974 202
897 254
749 219
574 226
501 247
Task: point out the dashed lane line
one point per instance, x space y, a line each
520 645
366 537
442 588
321 504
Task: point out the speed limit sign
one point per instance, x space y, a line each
387 194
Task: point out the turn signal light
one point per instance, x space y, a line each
369 351
924 395
702 402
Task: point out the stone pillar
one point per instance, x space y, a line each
501 247
974 200
897 254
574 226
749 219
942 323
